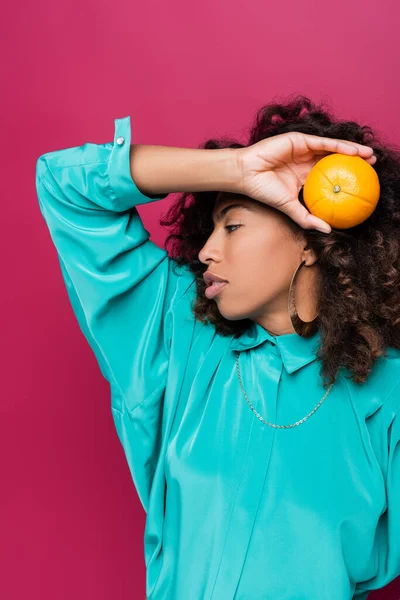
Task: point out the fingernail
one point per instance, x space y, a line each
322 230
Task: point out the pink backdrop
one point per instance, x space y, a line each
70 520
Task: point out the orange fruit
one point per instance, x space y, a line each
342 190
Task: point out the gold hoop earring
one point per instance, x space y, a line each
303 328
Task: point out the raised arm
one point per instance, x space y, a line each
122 286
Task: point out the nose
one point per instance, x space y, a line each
209 252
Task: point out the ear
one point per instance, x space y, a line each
309 256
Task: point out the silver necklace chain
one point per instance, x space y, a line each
273 424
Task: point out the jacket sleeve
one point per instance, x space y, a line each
122 287
387 539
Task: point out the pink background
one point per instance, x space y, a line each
70 520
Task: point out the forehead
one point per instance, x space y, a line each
224 198
227 198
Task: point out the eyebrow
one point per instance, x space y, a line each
219 216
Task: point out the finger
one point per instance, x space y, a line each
318 143
298 213
371 160
321 154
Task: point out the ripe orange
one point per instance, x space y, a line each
342 190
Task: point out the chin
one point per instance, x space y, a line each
230 314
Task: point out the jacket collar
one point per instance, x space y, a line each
294 350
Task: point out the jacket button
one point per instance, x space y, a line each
120 141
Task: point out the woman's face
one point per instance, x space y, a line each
258 255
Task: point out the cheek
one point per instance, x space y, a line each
265 265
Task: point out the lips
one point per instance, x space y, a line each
214 289
210 278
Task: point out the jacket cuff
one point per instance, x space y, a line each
126 193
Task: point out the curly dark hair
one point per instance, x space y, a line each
359 309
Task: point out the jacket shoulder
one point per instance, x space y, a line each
381 389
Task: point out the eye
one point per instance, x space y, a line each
228 227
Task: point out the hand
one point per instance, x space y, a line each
275 169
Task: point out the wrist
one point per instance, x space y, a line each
230 166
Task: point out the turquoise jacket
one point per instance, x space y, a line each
235 509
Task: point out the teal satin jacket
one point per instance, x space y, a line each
235 509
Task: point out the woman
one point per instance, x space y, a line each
262 435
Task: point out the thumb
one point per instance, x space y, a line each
298 213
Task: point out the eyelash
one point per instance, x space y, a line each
229 226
